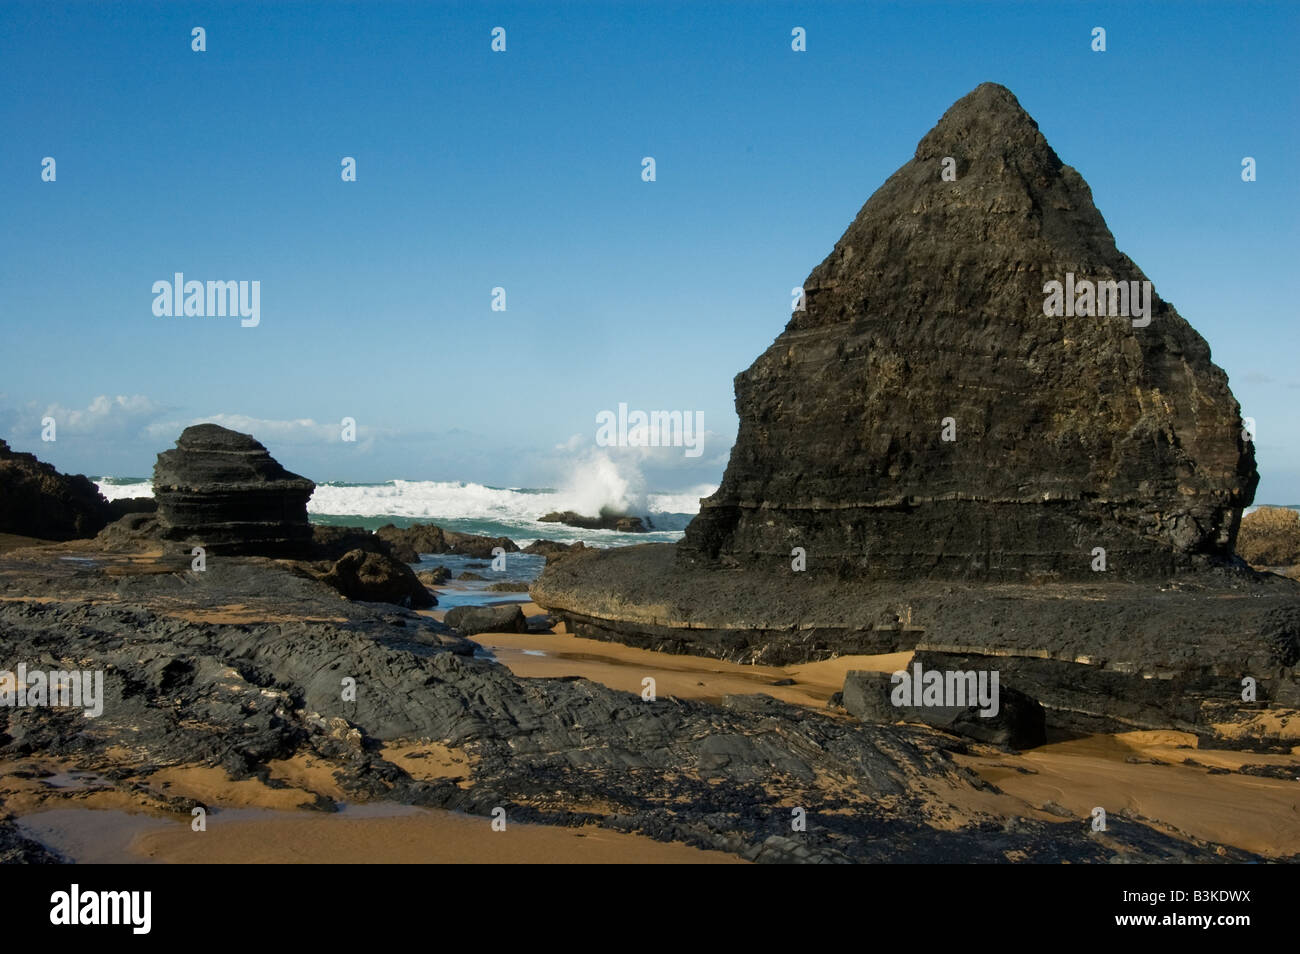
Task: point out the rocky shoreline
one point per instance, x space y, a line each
243 664
1037 515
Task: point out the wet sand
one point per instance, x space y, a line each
688 677
1134 773
89 819
1144 774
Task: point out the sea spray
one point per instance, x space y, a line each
478 508
599 484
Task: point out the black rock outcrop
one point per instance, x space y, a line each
929 461
409 542
622 523
472 620
38 501
224 491
377 577
923 417
1017 721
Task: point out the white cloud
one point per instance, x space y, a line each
299 431
106 415
273 432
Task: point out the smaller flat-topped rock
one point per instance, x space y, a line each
223 490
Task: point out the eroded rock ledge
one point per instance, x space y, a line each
1098 656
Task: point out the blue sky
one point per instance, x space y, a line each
522 170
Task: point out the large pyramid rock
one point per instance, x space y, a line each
1070 432
224 491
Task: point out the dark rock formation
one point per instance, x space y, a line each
846 523
1106 656
470 620
376 577
330 543
38 501
123 506
508 586
1018 723
1070 432
135 531
435 577
1270 537
471 575
548 548
606 521
224 491
409 542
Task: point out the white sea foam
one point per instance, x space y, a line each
112 489
449 500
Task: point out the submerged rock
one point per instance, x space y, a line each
435 577
623 523
224 491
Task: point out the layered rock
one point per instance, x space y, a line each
38 501
923 417
929 462
1016 721
224 491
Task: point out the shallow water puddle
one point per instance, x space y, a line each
375 832
104 836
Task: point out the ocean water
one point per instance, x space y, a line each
470 508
